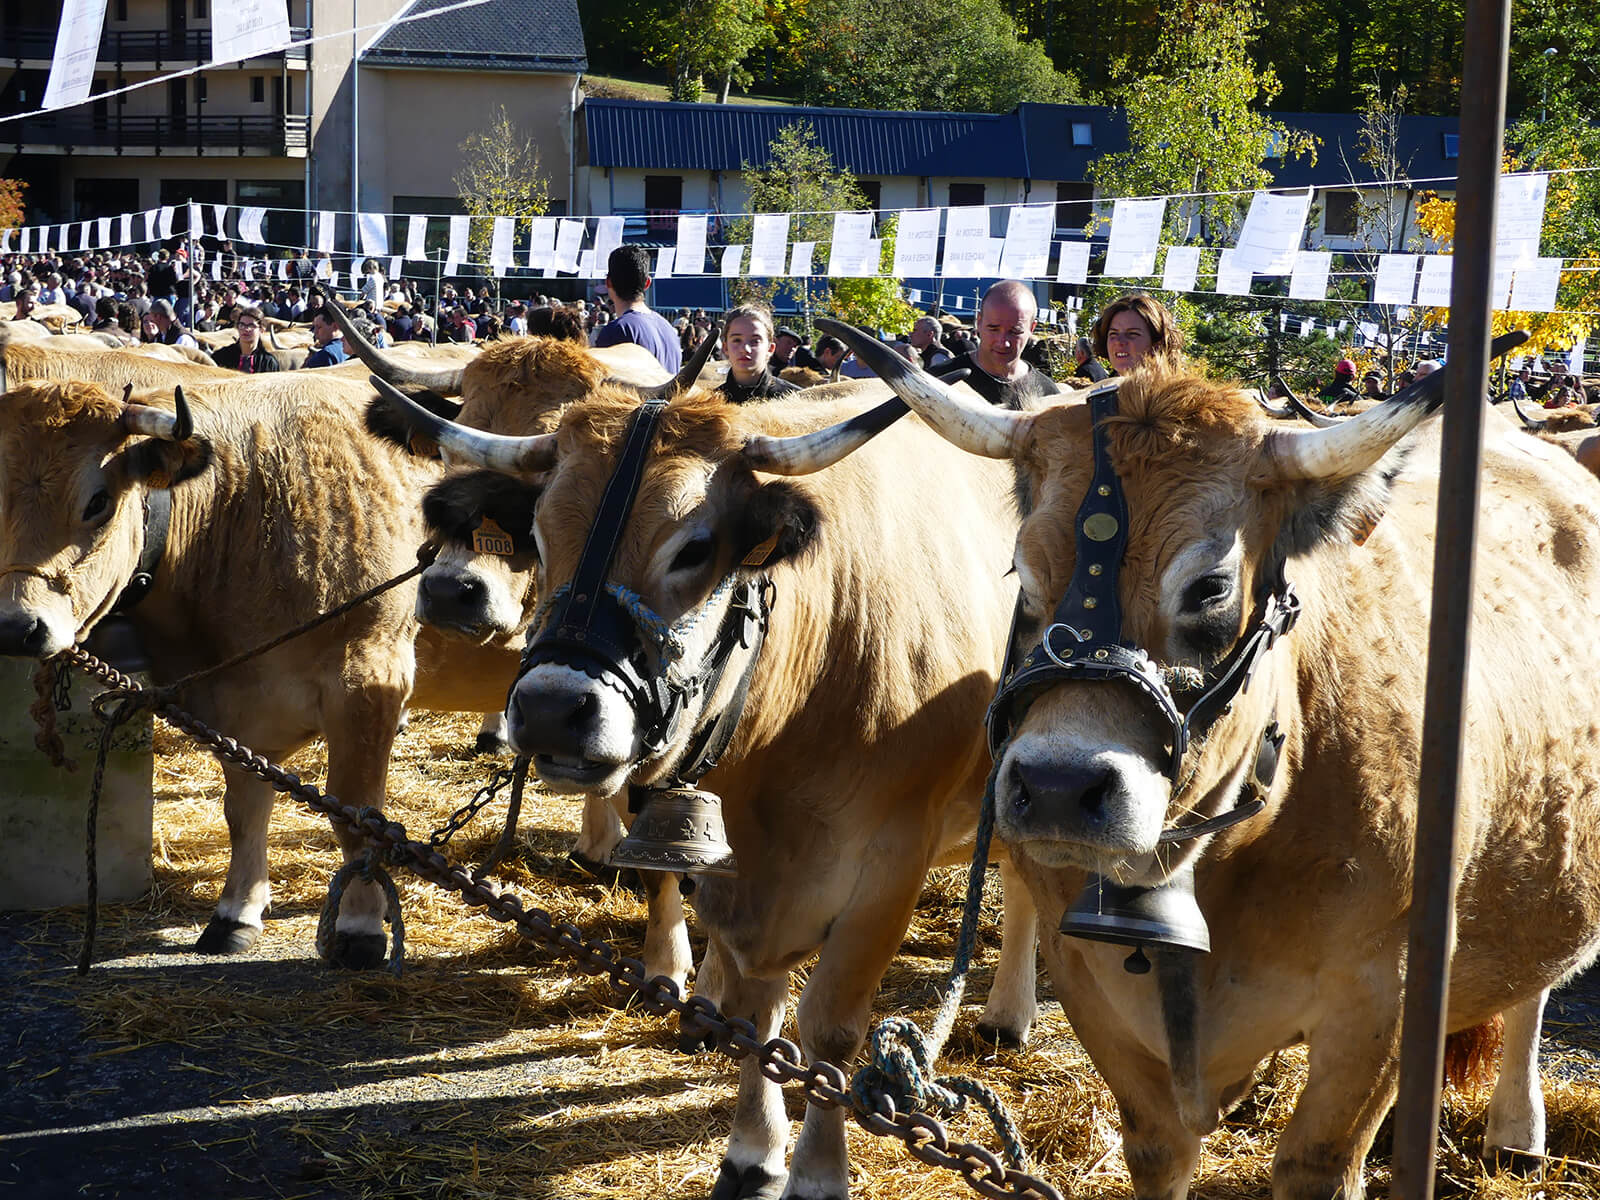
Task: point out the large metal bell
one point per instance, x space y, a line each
676 829
1165 916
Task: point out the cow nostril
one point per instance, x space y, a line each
1093 798
1021 799
470 588
582 714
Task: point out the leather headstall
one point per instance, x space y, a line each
591 629
1084 640
157 519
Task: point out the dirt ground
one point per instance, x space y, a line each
485 1071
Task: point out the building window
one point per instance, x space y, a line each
1340 215
872 189
964 194
202 9
1452 145
120 10
1082 133
663 200
258 89
1074 206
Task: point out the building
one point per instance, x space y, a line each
276 131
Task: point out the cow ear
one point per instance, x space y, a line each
1319 512
383 421
158 463
779 521
456 508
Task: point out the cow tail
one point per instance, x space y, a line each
1471 1056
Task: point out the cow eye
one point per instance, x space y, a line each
695 553
99 504
1207 592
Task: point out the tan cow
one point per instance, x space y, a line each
858 763
1308 902
280 509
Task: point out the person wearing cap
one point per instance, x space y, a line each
1372 386
1342 389
169 330
784 345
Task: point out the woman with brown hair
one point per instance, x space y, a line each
1134 326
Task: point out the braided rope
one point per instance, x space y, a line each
668 636
903 1056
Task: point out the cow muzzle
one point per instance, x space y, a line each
1099 809
579 730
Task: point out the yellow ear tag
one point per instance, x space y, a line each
759 554
489 538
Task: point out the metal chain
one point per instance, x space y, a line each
498 778
780 1060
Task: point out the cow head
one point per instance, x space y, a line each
705 521
75 466
1218 503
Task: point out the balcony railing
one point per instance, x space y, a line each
126 45
85 132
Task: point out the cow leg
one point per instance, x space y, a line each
710 983
666 936
1013 1004
1516 1109
599 834
752 1168
360 735
833 1013
1354 1072
246 893
492 735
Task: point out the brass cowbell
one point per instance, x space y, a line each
676 829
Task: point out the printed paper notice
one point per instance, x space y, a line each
417 238
732 259
1535 286
1073 266
1272 232
1575 356
664 263
1232 279
966 242
769 244
916 244
374 228
325 232
77 49
607 237
541 243
569 240
501 249
245 28
1519 218
800 255
1309 279
1181 268
850 254
1135 234
691 256
1026 250
460 228
1396 279
1433 289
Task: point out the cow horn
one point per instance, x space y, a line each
1309 415
509 455
806 453
1355 443
175 426
976 427
1537 423
445 380
688 372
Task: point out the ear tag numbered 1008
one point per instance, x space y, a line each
489 538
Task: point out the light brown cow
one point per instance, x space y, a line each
859 762
1308 902
280 509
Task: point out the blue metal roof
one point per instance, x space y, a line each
1033 141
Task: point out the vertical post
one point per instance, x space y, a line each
1483 96
355 110
438 292
189 236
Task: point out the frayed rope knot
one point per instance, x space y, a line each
369 868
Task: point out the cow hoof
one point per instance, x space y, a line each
996 1035
491 743
224 936
604 872
359 951
751 1183
1505 1159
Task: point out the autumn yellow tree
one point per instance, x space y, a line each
500 177
11 203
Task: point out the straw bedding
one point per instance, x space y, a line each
486 1071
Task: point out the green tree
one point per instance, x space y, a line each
951 55
712 38
499 177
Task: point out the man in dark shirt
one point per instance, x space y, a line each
747 340
330 344
247 354
1342 389
627 279
785 344
996 370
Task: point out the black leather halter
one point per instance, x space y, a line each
1084 640
590 628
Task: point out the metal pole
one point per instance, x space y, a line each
355 110
1483 103
438 293
189 213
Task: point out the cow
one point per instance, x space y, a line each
1307 902
280 509
857 764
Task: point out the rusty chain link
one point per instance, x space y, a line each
780 1059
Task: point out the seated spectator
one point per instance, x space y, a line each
169 331
748 339
329 342
1088 366
401 326
248 354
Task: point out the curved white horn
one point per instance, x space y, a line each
805 453
175 426
445 380
976 427
509 455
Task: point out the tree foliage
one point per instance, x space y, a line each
12 205
500 177
712 39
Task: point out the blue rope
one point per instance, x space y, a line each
667 636
902 1055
